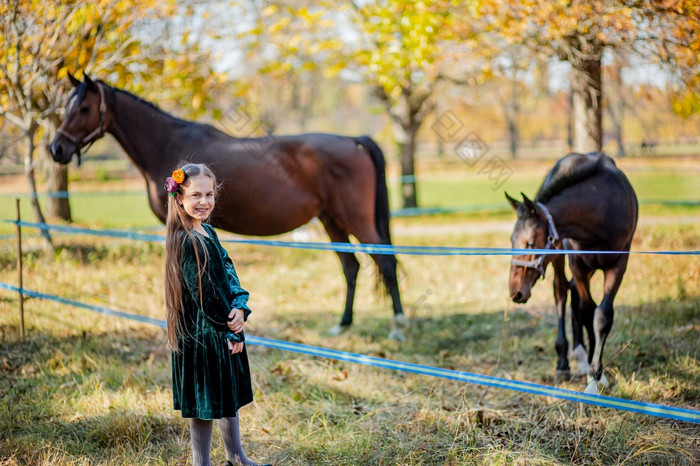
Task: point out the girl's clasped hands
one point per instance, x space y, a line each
235 324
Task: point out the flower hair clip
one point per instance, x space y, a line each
173 182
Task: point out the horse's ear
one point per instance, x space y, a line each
531 207
512 201
73 80
89 82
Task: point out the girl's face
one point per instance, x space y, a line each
198 198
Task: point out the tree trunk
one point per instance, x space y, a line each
407 115
570 122
512 115
58 202
587 87
31 179
511 110
617 130
616 106
542 78
407 149
513 138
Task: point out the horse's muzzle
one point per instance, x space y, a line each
520 297
60 153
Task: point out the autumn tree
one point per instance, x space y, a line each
401 49
40 40
268 91
580 31
129 42
509 89
93 36
24 40
618 101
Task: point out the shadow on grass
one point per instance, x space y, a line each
649 341
81 253
72 394
117 437
450 424
53 390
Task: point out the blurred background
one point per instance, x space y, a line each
436 83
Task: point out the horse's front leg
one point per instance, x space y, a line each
561 288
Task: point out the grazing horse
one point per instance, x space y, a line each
270 185
584 203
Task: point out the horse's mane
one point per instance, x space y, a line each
82 88
156 108
134 96
568 171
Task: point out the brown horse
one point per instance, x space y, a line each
584 203
270 185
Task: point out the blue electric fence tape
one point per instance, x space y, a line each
668 412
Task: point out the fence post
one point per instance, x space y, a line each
19 272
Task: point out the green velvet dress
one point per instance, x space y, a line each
208 381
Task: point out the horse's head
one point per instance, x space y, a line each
531 232
84 120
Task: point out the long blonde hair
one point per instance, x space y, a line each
178 222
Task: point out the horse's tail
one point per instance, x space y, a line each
381 200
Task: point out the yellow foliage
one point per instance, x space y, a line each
270 10
279 25
100 36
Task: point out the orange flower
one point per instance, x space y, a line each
178 176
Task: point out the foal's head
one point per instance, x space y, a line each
530 232
83 122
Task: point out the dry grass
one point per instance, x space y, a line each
89 389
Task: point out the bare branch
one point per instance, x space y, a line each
18 122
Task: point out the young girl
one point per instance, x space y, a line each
206 311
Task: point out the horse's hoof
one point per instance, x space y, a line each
592 388
397 334
562 375
591 384
337 330
603 381
401 321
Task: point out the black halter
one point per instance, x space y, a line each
552 243
93 136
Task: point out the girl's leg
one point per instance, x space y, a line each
230 432
200 431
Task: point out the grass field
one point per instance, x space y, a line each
88 389
118 203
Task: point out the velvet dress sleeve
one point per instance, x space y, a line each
215 304
239 295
